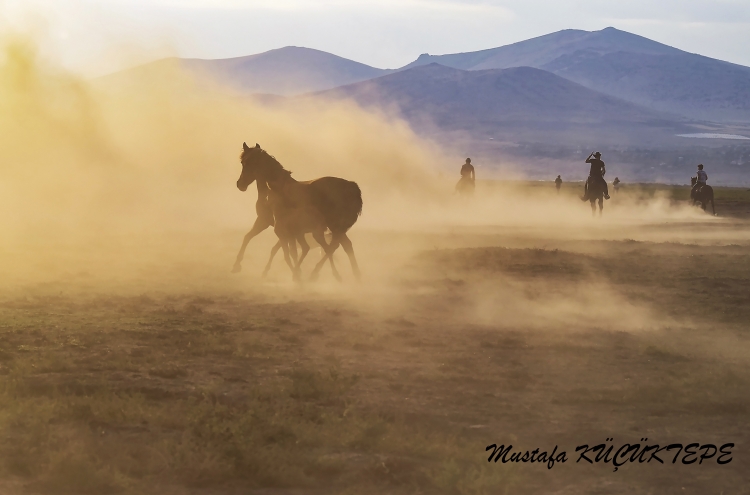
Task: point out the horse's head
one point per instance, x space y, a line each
693 180
258 165
249 159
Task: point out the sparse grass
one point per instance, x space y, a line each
124 403
194 392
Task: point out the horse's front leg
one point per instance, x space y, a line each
274 250
601 206
593 207
261 224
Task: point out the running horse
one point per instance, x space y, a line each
337 201
594 191
465 186
702 195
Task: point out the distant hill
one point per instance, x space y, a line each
627 66
542 50
521 103
285 71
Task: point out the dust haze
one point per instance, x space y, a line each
121 195
148 160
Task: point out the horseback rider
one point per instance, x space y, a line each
467 171
466 183
558 183
596 173
701 179
616 183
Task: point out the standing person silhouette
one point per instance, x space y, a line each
616 183
558 183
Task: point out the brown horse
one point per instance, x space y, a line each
593 191
338 201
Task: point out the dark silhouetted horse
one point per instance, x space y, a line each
337 201
593 191
702 195
465 186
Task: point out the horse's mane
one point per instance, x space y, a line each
265 158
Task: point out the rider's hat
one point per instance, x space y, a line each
700 165
468 160
597 154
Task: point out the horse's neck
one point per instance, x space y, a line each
262 189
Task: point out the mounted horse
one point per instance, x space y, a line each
465 186
594 191
332 202
702 195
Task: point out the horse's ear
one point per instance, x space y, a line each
244 146
257 145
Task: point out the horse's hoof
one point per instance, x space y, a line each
236 269
337 277
313 276
264 274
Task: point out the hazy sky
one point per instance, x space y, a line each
98 36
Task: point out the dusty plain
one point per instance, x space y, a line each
167 374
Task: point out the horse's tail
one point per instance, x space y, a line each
355 196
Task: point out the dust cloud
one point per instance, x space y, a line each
120 178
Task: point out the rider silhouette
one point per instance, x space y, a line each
558 183
467 170
702 178
596 173
465 185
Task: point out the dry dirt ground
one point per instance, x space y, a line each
177 377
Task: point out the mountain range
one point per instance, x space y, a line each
627 66
549 96
515 104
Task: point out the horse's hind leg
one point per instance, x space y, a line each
329 250
320 238
274 250
593 207
346 243
601 206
